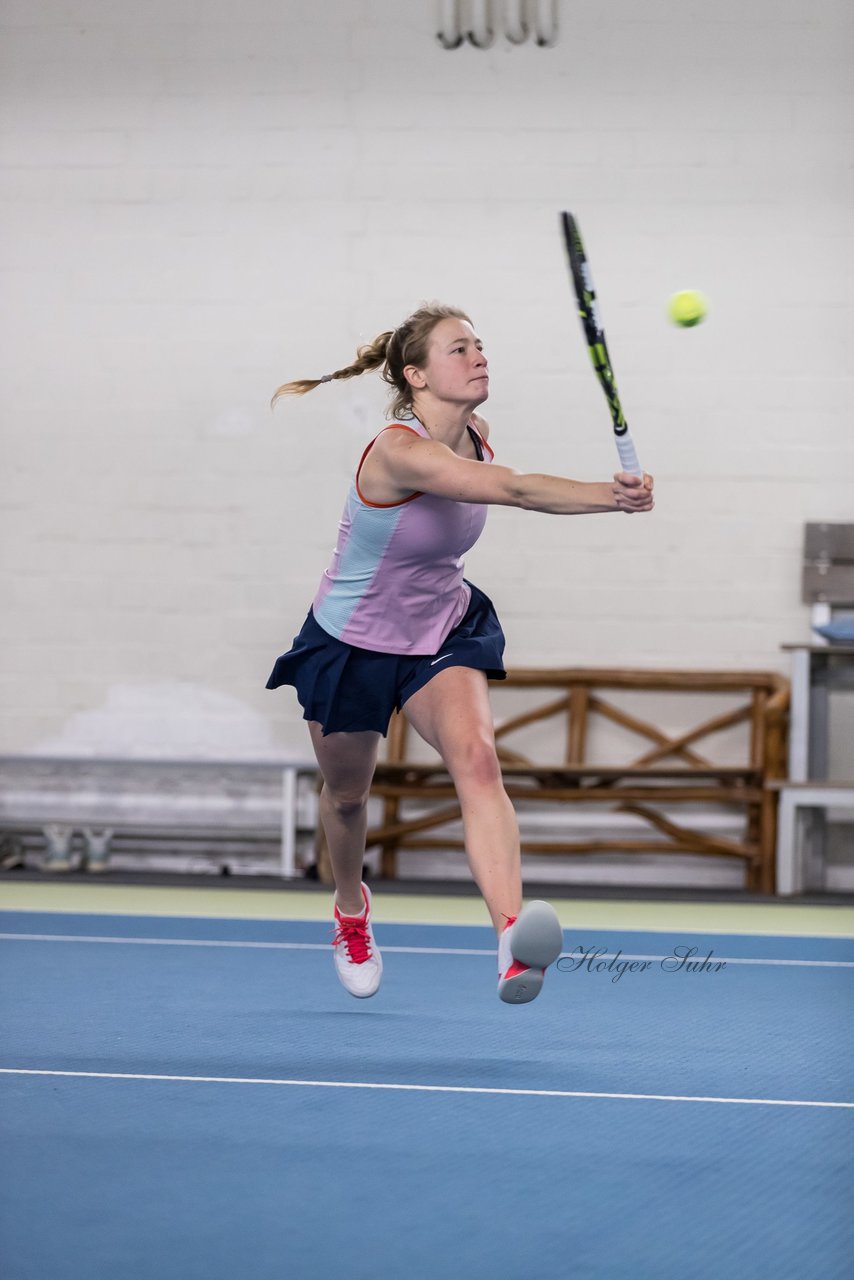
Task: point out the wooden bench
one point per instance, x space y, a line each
559 716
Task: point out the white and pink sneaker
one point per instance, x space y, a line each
358 963
530 942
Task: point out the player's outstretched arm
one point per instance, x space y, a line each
410 464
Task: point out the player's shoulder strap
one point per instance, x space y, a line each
393 426
476 441
481 444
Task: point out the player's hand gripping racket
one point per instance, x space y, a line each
588 310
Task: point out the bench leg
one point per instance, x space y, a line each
764 876
815 848
287 866
789 874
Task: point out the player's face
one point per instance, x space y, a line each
456 368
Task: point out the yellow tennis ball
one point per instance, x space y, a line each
688 307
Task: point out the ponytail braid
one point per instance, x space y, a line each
368 357
392 351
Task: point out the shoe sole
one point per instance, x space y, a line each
536 941
537 938
521 989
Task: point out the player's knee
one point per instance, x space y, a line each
476 762
346 802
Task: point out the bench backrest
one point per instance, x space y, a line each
639 719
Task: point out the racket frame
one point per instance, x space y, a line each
591 323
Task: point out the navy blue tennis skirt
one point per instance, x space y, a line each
349 690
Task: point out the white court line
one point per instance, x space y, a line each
423 1088
414 951
216 942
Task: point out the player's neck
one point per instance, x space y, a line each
442 421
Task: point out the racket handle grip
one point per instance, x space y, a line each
628 457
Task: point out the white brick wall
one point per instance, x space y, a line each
200 201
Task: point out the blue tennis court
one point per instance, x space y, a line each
198 1098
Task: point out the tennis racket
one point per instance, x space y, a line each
588 310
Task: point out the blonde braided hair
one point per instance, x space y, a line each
393 351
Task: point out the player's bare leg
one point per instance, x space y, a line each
452 713
347 763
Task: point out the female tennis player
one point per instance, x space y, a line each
395 625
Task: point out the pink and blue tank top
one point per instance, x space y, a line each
395 583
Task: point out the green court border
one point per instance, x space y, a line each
772 918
